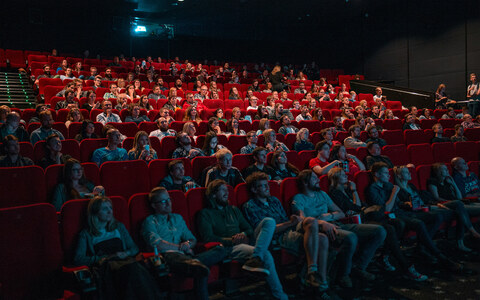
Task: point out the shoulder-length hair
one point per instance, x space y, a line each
94 207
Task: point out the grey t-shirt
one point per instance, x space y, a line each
313 207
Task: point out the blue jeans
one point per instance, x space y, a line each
263 235
474 108
368 237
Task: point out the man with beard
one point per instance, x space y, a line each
46 130
163 129
46 74
185 148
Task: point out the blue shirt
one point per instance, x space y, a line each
41 134
102 155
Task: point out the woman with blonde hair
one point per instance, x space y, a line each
271 142
74 115
141 148
190 130
263 125
302 142
106 245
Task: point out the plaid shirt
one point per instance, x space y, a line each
255 211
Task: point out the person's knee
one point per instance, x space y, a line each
310 224
380 233
268 223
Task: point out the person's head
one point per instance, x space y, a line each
140 141
113 136
189 98
301 85
451 113
53 144
303 135
253 101
11 145
12 120
308 181
278 108
160 201
373 132
264 124
217 192
46 69
359 110
327 134
257 185
73 171
176 169
232 125
46 119
98 80
204 90
108 72
224 158
183 139
389 114
163 112
93 71
402 173
323 149
378 91
338 152
375 110
473 77
212 123
211 142
260 155
236 113
107 106
191 113
360 122
218 113
269 136
458 130
374 148
409 119
467 118
437 128
459 164
337 177
414 110
100 212
285 120
439 171
189 128
233 91
252 137
74 115
88 128
380 172
354 131
337 121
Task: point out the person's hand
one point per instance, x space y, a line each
329 229
239 238
396 189
350 156
294 219
336 163
122 255
192 151
185 246
190 185
449 179
352 185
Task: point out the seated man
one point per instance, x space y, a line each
373 137
260 156
252 143
374 155
287 126
223 223
203 95
53 154
168 234
185 148
12 127
301 89
224 170
410 123
69 101
156 93
46 130
304 114
113 92
353 141
112 152
107 115
439 138
469 185
313 202
176 179
385 195
163 112
163 129
279 112
12 151
297 235
320 164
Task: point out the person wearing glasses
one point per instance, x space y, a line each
252 143
168 234
107 115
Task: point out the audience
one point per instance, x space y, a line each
350 163
353 141
251 143
271 142
141 148
281 166
12 127
302 142
107 115
87 131
111 152
45 130
53 154
135 117
185 149
176 179
12 156
373 137
458 136
163 129
468 184
210 145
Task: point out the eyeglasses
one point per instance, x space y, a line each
164 201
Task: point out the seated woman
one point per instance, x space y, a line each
219 115
270 105
145 103
263 125
344 194
347 115
141 148
106 246
237 114
53 154
234 94
253 103
87 131
282 167
74 185
233 128
262 113
302 142
318 114
74 115
389 115
214 126
447 196
360 122
190 130
271 142
350 163
427 114
191 115
211 146
364 105
135 117
327 135
91 97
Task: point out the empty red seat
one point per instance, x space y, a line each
88 146
397 153
16 57
312 125
362 180
420 154
448 123
392 124
443 152
168 145
231 104
242 161
467 150
30 251
393 137
236 142
200 163
415 137
472 134
125 178
26 149
16 186
428 123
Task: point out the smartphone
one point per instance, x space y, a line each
147 147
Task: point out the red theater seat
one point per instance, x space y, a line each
125 178
420 154
158 169
16 186
88 146
443 152
397 153
467 150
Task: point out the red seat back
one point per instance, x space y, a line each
16 186
420 154
125 178
158 169
443 152
467 150
397 153
88 146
